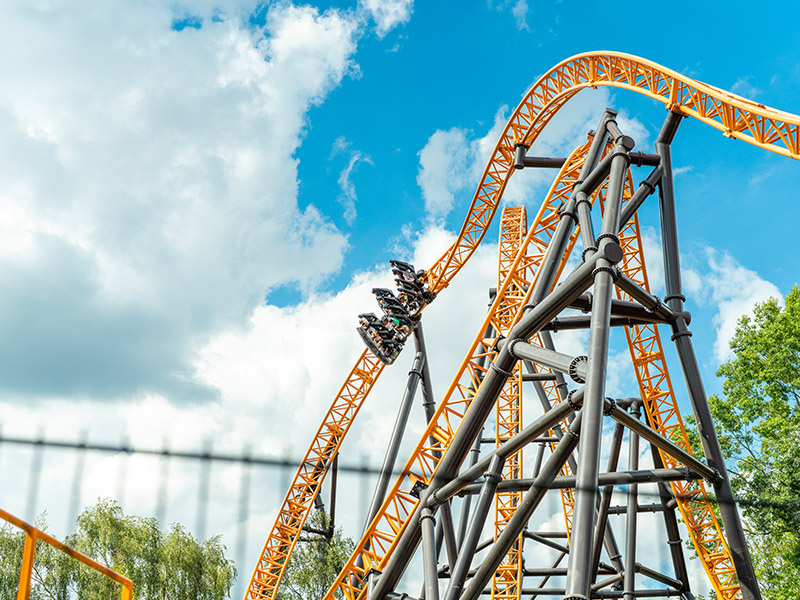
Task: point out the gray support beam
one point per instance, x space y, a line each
548 358
656 576
583 206
449 534
633 310
429 402
525 509
579 577
608 480
467 551
669 227
558 243
518 441
427 523
465 505
671 524
631 518
389 460
580 322
705 471
691 371
605 502
646 187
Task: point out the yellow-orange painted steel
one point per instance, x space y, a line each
377 544
294 511
26 568
736 117
507 580
34 535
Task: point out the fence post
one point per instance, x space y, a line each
28 554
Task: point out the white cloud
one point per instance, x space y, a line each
388 14
520 12
743 87
730 286
348 196
150 185
444 171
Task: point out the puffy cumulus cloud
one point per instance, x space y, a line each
388 14
732 288
452 161
149 185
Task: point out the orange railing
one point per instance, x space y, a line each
33 535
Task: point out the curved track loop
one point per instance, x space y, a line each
736 117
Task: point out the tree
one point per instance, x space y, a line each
162 564
758 418
316 561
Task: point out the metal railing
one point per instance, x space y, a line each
34 535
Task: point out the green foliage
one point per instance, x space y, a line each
759 423
162 564
315 562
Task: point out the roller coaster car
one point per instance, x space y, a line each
386 349
385 336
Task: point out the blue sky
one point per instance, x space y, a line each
196 193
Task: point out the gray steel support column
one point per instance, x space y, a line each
429 403
467 551
583 207
431 572
731 521
630 525
671 524
558 243
449 534
605 502
579 569
691 370
463 519
389 460
524 510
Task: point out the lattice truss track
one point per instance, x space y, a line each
552 263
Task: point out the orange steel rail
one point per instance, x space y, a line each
506 583
33 535
293 513
735 117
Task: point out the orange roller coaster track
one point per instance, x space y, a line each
736 117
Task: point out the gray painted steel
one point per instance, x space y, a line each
585 407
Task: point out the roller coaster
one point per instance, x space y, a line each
554 273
